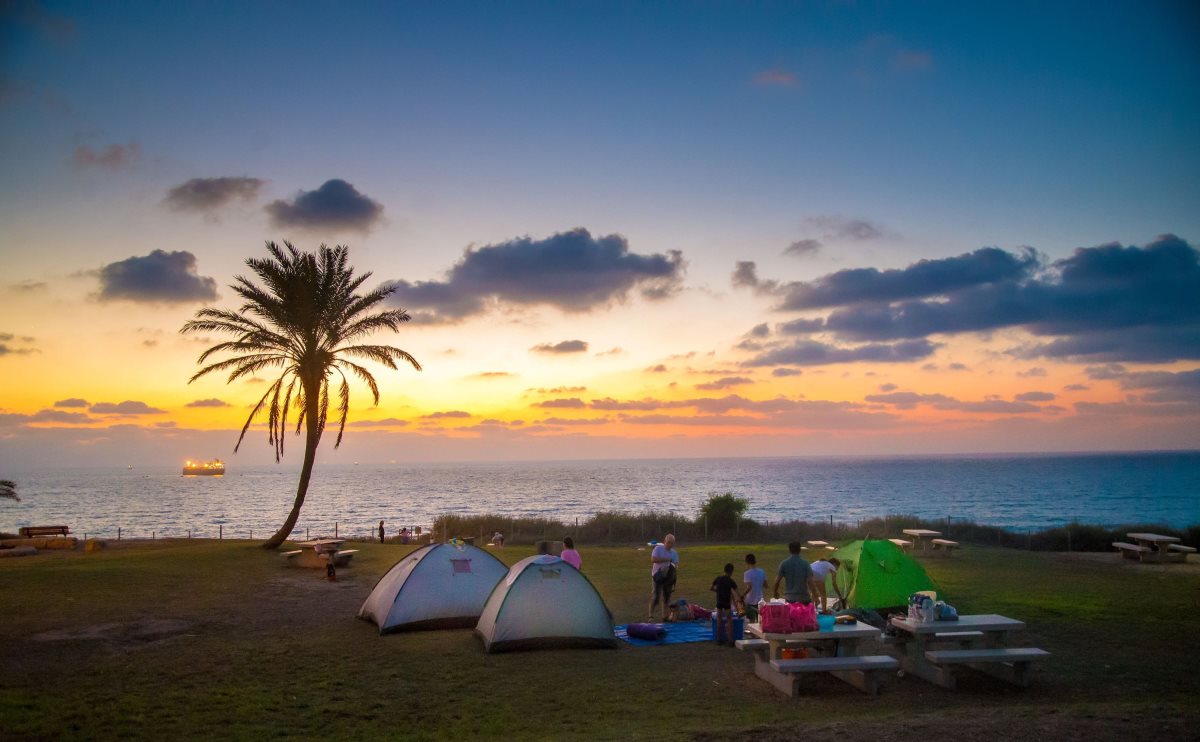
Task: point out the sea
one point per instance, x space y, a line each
1014 491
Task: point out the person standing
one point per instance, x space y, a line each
798 574
726 590
823 569
664 561
381 532
569 555
755 580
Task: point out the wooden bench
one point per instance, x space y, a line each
905 545
342 558
941 543
1179 552
35 531
861 672
1131 551
1008 664
290 555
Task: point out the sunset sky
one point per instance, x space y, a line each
622 230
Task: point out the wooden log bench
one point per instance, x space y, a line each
1011 665
945 544
862 672
35 531
1131 551
1179 552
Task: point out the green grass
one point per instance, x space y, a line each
220 639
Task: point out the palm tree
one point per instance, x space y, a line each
8 490
305 322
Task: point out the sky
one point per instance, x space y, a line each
620 229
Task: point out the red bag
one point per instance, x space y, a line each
775 618
802 617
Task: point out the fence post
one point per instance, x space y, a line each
1068 537
154 535
335 526
306 536
118 533
221 532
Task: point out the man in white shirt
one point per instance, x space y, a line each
663 560
755 580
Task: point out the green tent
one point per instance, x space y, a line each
878 574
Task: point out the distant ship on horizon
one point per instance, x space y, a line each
216 467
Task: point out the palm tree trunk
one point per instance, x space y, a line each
312 439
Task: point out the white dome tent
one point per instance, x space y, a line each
439 586
544 603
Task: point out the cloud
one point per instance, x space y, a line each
801 248
566 346
447 414
776 77
492 375
845 228
569 421
1037 372
1165 386
112 157
660 368
1106 372
745 276
58 416
128 407
909 400
168 277
32 14
800 327
814 353
211 402
925 278
5 350
1108 303
335 205
782 372
727 382
71 402
614 351
1076 388
572 403
759 331
210 194
559 390
387 422
1035 397
572 271
26 287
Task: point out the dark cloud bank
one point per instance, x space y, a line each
210 194
572 271
161 276
336 205
1104 303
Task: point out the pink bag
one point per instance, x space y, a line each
802 617
775 619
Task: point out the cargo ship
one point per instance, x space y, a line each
216 467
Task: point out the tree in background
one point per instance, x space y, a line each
307 322
8 490
723 511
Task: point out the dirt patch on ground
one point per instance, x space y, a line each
142 631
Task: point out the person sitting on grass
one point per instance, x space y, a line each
821 570
726 590
755 579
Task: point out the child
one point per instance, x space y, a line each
755 580
726 589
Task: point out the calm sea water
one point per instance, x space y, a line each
1013 491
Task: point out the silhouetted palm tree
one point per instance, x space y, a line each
8 490
304 322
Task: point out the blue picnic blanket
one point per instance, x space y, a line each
679 632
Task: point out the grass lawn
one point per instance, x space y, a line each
183 639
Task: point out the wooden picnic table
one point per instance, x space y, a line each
318 552
932 650
920 534
838 651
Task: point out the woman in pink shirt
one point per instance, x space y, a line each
569 555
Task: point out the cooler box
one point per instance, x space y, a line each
739 628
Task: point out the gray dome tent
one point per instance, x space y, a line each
544 603
439 586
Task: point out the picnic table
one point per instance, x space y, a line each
839 651
318 552
1154 547
820 545
933 650
920 534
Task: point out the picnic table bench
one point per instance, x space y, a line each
901 543
944 544
34 531
982 640
836 651
1153 547
1179 552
